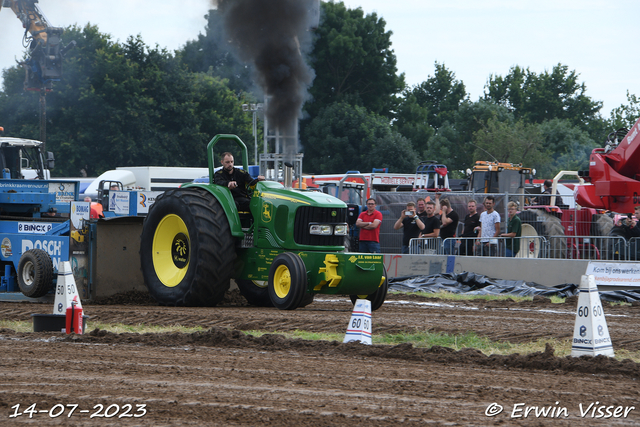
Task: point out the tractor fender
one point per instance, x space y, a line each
224 196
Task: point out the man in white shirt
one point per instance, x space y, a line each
489 228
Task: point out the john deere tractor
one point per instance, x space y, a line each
289 247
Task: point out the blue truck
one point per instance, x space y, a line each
35 218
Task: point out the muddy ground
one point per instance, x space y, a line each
222 377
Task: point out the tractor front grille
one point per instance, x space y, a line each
306 215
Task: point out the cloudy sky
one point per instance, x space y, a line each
473 38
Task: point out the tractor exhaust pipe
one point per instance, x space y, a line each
288 174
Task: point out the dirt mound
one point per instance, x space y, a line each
232 298
218 337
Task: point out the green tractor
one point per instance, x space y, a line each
287 249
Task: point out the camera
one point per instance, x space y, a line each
408 213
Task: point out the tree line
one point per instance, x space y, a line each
129 104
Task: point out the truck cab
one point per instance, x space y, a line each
494 177
23 159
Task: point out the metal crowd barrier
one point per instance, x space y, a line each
530 247
634 249
590 247
426 246
559 247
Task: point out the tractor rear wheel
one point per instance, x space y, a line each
256 292
287 281
377 298
548 226
530 245
187 250
35 273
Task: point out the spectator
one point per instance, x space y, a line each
514 231
489 228
421 205
629 229
95 211
471 225
411 225
431 222
545 199
449 220
369 224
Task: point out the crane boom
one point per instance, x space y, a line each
43 41
614 175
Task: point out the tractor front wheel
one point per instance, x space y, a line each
287 281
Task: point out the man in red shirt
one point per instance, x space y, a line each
369 224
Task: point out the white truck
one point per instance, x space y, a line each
132 190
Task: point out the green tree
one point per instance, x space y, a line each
452 144
353 61
546 96
127 105
427 106
511 143
345 137
412 122
625 116
441 94
570 147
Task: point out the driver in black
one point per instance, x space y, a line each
236 180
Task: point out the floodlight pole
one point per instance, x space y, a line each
254 108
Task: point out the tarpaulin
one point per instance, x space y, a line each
477 284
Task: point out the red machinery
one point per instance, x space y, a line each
614 174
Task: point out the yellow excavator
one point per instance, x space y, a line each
44 65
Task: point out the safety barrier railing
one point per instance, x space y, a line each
633 252
590 247
530 246
425 246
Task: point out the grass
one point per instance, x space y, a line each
450 296
116 328
468 340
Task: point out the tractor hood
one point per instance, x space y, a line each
269 190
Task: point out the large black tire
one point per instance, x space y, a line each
287 281
616 249
255 292
601 225
35 273
187 250
377 298
547 226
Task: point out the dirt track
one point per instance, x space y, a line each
221 377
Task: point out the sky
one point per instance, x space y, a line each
472 38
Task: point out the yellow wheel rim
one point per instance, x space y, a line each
282 281
171 250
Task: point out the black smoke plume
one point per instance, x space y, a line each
274 35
